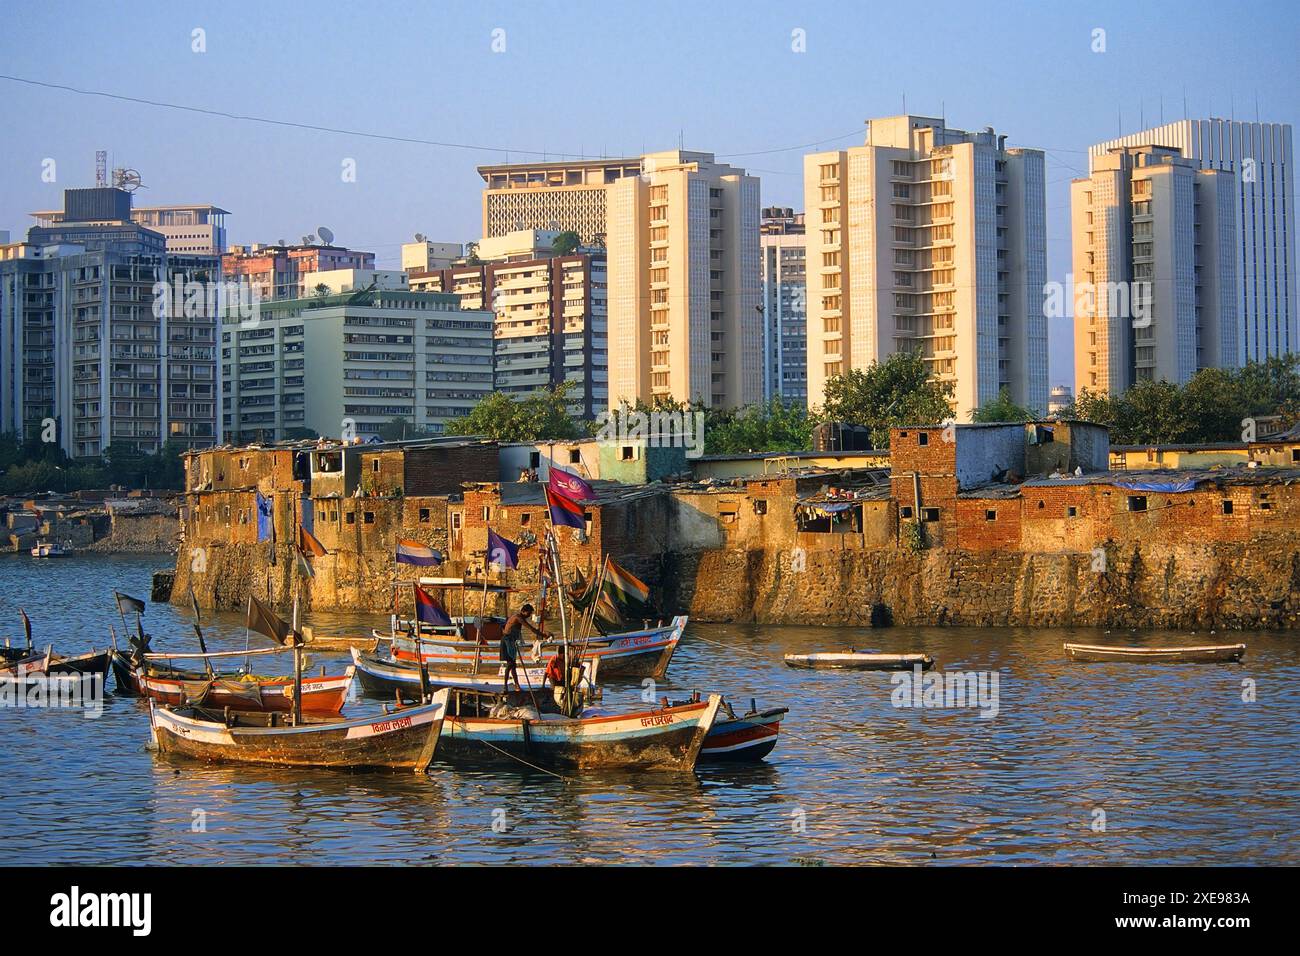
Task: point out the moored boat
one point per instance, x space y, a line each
666 738
855 660
631 654
385 677
1204 654
92 662
320 695
405 739
51 549
32 665
747 737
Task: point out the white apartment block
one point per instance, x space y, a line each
931 239
1154 264
1262 158
350 363
685 290
88 344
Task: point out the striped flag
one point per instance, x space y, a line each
564 511
421 555
429 609
625 588
567 485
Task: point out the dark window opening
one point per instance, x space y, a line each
370 517
1227 506
990 514
929 514
760 506
424 516
923 438
1072 512
905 511
1137 502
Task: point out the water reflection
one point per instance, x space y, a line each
1184 770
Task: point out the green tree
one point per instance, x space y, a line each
895 392
774 426
1002 409
566 243
541 416
398 428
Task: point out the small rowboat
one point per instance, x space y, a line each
403 740
1206 654
855 660
669 738
123 674
749 737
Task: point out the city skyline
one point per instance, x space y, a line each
755 101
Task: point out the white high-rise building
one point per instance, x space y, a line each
1262 157
684 287
931 239
785 306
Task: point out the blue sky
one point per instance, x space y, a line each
593 78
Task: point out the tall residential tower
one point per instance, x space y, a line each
931 239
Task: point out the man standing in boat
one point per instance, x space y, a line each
510 636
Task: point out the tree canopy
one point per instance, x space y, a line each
888 394
541 416
1003 409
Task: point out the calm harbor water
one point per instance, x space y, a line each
1182 768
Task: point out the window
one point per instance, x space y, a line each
626 453
575 456
455 521
923 438
990 514
350 517
760 506
905 511
1137 502
424 516
369 517
524 519
487 513
1227 506
374 464
929 514
1072 512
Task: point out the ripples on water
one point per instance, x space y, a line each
1184 770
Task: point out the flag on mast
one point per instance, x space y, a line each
626 589
565 512
413 552
309 544
429 610
568 485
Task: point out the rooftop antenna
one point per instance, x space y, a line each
326 235
1162 109
1184 102
101 167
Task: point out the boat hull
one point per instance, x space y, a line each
665 739
744 739
123 675
405 740
320 695
1209 654
96 662
859 662
384 678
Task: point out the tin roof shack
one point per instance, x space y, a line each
1058 515
335 471
580 457
1064 446
632 524
838 518
924 482
233 469
639 461
442 468
989 518
1280 452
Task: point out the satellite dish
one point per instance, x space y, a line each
419 237
281 243
326 235
309 239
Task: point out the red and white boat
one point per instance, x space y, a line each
33 665
749 737
320 695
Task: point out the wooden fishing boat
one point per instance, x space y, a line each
631 654
92 662
403 740
123 673
35 664
858 661
51 549
385 677
748 737
320 695
1205 654
667 738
